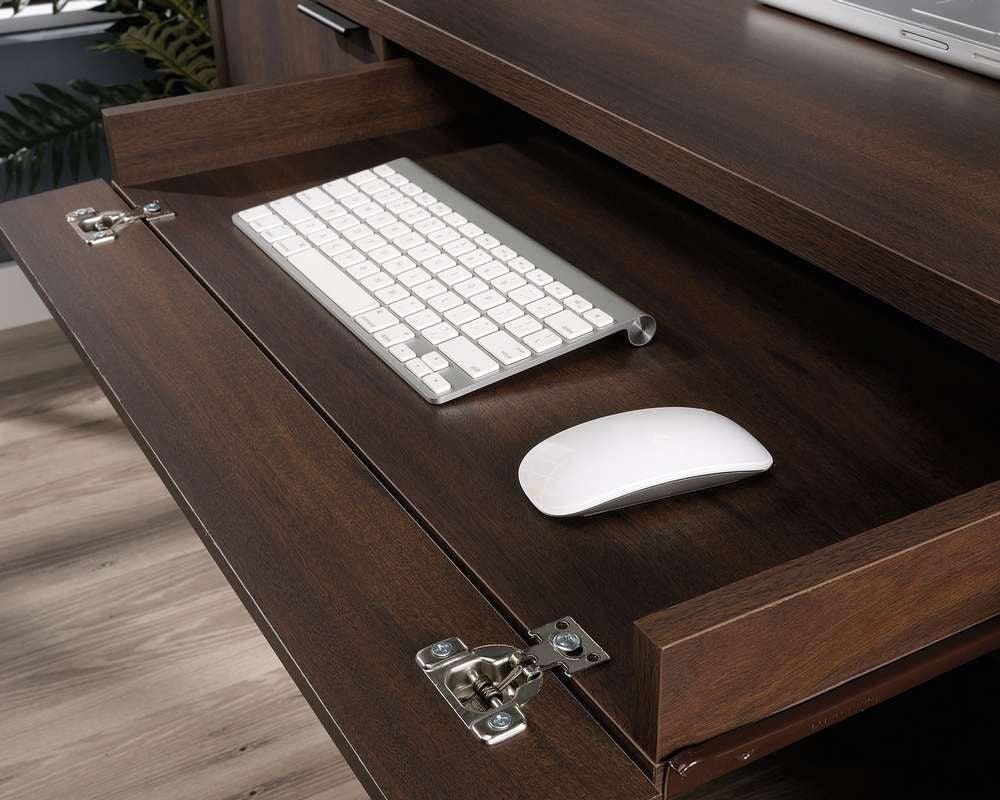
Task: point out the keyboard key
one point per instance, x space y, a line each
568 324
330 212
395 179
470 287
508 282
455 219
440 333
478 327
410 189
367 211
522 326
542 340
387 225
435 360
368 243
437 384
471 230
376 320
386 195
445 302
314 199
504 347
349 259
392 294
343 223
277 234
544 307
322 237
429 289
414 215
494 269
424 252
558 290
356 232
487 242
504 313
402 352
394 266
375 187
521 265
399 206
352 201
476 259
338 188
539 277
269 220
418 367
458 247
598 318
491 298
526 294
502 253
333 283
383 170
577 304
443 236
454 275
335 248
438 208
437 263
311 225
291 210
383 254
359 178
377 281
422 319
407 306
461 314
429 225
469 357
397 334
255 213
425 199
291 245
413 277
362 270
408 241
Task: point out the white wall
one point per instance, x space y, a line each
19 305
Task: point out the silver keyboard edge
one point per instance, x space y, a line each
626 315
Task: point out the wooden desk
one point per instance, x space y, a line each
359 523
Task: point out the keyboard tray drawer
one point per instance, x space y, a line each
873 536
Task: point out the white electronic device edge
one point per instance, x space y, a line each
637 456
963 33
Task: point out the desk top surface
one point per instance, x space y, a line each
872 162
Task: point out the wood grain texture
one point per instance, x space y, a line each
344 584
183 135
127 667
269 40
870 162
857 403
811 624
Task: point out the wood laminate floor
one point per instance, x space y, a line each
128 667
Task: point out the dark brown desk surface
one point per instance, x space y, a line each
856 402
876 164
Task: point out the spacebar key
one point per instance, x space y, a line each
333 283
469 357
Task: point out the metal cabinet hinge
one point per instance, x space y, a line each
489 686
101 227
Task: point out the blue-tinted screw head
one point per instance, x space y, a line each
500 721
442 649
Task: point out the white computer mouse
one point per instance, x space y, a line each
625 459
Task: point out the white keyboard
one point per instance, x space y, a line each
447 294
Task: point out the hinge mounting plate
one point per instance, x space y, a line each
101 227
489 686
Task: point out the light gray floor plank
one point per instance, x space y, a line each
128 668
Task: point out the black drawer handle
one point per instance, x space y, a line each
325 16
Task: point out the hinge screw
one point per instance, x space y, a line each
442 649
566 642
152 208
500 721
